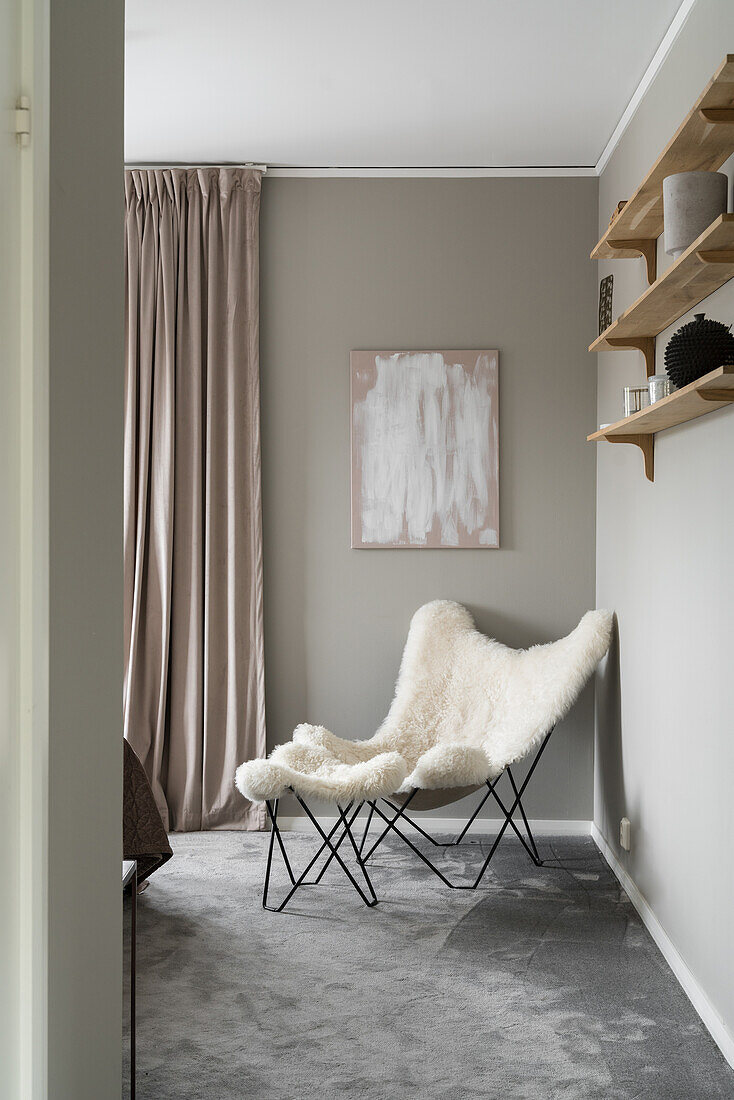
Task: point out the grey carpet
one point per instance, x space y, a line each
542 985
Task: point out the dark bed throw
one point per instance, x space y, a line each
143 835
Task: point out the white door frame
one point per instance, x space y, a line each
63 888
34 557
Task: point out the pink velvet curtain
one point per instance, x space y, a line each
194 677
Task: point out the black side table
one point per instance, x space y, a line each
130 878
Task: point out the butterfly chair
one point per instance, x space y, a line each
466 708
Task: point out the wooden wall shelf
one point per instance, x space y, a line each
705 266
703 141
713 391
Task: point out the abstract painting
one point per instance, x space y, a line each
425 449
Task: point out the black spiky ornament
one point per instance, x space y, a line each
696 348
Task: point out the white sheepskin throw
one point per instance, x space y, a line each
465 707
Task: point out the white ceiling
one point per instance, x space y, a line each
381 83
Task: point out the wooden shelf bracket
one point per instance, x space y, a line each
716 256
714 391
646 443
717 395
717 114
648 249
645 344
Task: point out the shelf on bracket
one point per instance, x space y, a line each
714 391
705 266
702 142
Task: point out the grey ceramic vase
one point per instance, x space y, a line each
691 202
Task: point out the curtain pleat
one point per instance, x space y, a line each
194 704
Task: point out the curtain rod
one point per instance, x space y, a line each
133 164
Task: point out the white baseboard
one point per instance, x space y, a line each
697 996
484 826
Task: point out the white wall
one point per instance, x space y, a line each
665 703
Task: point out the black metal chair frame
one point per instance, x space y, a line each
330 841
399 814
341 830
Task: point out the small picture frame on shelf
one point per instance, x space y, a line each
605 303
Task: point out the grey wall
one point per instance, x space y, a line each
665 750
408 263
85 549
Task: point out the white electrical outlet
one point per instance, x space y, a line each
625 834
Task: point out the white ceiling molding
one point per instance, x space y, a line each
154 167
649 75
425 173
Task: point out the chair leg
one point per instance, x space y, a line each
509 821
427 836
330 857
273 815
399 813
392 827
530 846
508 813
342 825
536 857
275 834
355 849
470 822
366 830
444 843
416 826
334 849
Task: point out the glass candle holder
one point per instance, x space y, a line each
636 398
659 386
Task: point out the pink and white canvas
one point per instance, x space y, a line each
425 449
